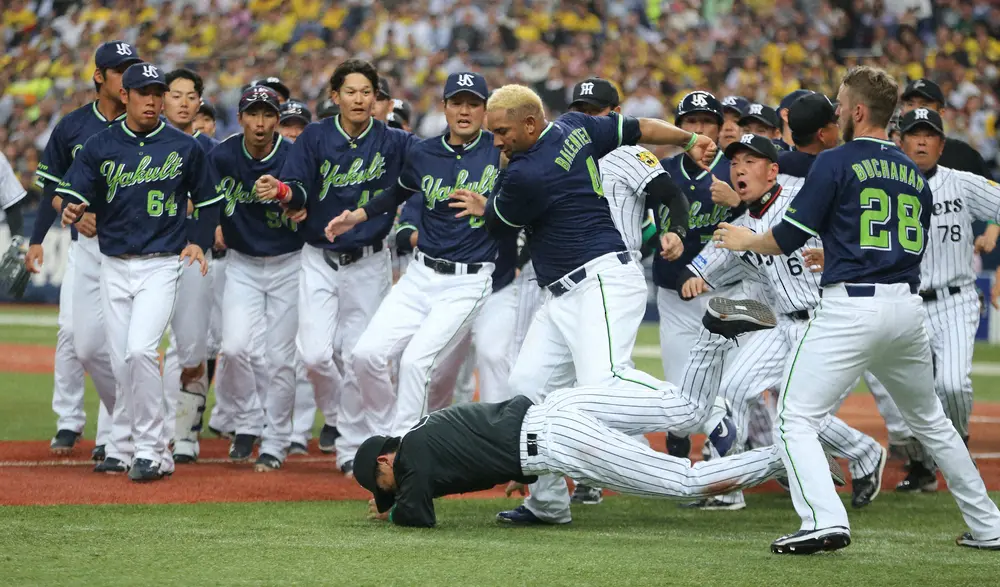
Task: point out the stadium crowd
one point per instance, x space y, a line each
655 50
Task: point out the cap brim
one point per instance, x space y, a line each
457 92
288 117
735 109
147 83
758 118
736 147
918 123
260 103
923 94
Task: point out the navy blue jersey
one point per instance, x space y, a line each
696 184
870 205
334 173
249 225
554 190
435 169
795 163
65 142
506 263
138 187
207 143
409 213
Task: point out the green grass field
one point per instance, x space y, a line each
899 540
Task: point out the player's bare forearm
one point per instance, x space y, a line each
741 238
765 244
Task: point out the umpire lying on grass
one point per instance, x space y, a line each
584 433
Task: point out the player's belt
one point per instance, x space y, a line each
865 291
798 315
930 295
146 256
448 267
558 288
338 259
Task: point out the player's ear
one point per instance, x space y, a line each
98 76
123 94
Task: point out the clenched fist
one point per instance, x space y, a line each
267 187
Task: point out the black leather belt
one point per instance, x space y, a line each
931 295
338 259
558 288
866 291
798 315
448 267
132 257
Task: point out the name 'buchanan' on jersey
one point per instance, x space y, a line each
138 187
250 226
870 205
435 169
336 173
554 189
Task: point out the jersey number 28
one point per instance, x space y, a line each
877 214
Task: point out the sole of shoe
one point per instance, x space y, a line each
61 450
749 311
883 459
813 544
263 468
970 542
298 450
327 449
185 459
717 506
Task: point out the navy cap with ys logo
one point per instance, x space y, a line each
467 81
260 95
699 101
141 75
114 54
295 110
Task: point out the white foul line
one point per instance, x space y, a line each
84 463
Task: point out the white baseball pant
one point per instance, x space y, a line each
680 325
884 333
68 385
335 307
139 296
304 412
530 297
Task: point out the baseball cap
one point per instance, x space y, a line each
383 89
114 54
393 120
921 117
140 75
737 104
403 109
259 95
790 99
761 113
810 113
756 143
207 109
699 101
926 88
597 92
275 84
326 109
365 464
294 109
466 81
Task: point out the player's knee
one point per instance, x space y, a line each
369 355
136 356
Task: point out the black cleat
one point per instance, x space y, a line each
267 463
63 442
811 541
327 439
678 446
98 454
585 494
111 466
348 469
183 459
297 448
241 448
919 479
144 471
867 488
731 318
714 504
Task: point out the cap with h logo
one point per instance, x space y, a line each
114 54
141 75
473 83
754 143
921 117
760 113
597 92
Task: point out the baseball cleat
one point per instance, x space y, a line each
144 471
584 494
63 442
731 318
867 488
724 435
714 504
520 516
267 463
348 469
678 446
328 438
111 466
98 454
967 540
297 448
186 451
919 479
811 541
221 434
241 448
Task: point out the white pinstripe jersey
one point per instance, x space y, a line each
788 283
625 172
959 198
11 190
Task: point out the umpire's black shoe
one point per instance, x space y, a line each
865 489
811 541
920 478
328 438
678 446
241 448
144 471
731 318
97 455
63 442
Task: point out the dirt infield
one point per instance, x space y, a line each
26 358
29 475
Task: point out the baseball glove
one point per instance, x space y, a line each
13 274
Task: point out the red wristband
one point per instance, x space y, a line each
284 192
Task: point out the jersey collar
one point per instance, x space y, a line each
353 141
930 172
148 135
704 172
277 141
758 208
101 117
466 147
874 140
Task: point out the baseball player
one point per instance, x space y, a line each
204 119
586 329
262 280
137 175
680 319
327 109
786 139
401 115
295 115
760 119
275 83
435 303
794 293
11 195
732 110
383 101
81 343
185 374
581 432
947 280
871 206
339 164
